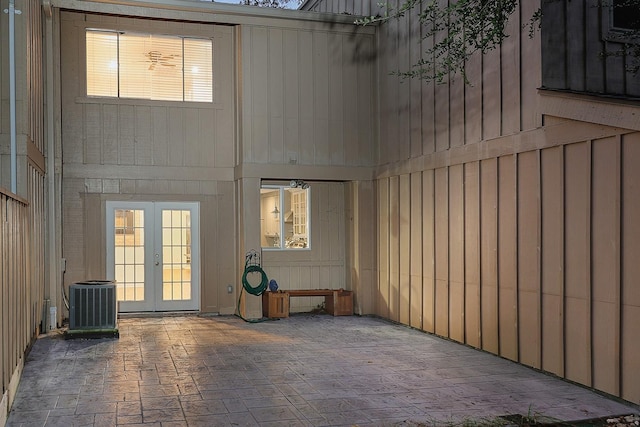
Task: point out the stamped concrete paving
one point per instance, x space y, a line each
305 370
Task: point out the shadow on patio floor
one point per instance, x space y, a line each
305 370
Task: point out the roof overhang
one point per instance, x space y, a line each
204 11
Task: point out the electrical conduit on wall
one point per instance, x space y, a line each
12 90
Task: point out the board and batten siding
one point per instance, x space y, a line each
304 95
581 51
308 96
516 230
524 230
23 307
23 237
419 117
350 7
126 149
528 255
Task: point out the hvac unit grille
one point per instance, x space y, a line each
93 306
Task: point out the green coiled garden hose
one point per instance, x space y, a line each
246 286
259 289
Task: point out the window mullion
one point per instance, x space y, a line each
282 217
118 62
182 73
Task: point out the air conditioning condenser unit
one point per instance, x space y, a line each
93 309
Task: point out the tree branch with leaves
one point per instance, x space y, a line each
459 29
278 4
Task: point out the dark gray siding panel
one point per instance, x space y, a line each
579 53
554 56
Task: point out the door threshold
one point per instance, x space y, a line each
134 314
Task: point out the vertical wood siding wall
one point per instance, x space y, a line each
305 98
22 236
16 297
528 255
582 53
421 118
352 7
34 78
361 244
126 149
501 233
308 96
22 284
35 164
308 99
525 244
37 224
29 93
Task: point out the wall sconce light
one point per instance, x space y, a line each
298 183
275 212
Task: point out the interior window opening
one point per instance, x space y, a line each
284 217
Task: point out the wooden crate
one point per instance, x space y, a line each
275 304
340 303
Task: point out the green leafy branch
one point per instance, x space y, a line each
454 33
458 30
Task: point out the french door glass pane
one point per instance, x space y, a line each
129 254
176 255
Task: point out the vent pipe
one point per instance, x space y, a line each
12 90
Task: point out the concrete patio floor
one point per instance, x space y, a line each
306 370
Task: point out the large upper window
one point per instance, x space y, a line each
284 217
149 66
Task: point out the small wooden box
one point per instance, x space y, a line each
275 304
340 303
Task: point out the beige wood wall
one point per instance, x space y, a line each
307 94
307 112
308 97
528 254
292 99
22 235
29 94
141 150
18 324
361 244
502 228
351 7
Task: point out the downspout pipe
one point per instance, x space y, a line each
54 289
12 91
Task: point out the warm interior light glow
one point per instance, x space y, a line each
149 66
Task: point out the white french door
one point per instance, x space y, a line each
153 254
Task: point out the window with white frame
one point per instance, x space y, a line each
149 66
284 217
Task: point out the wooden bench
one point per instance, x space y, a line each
337 302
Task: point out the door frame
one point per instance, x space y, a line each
153 273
